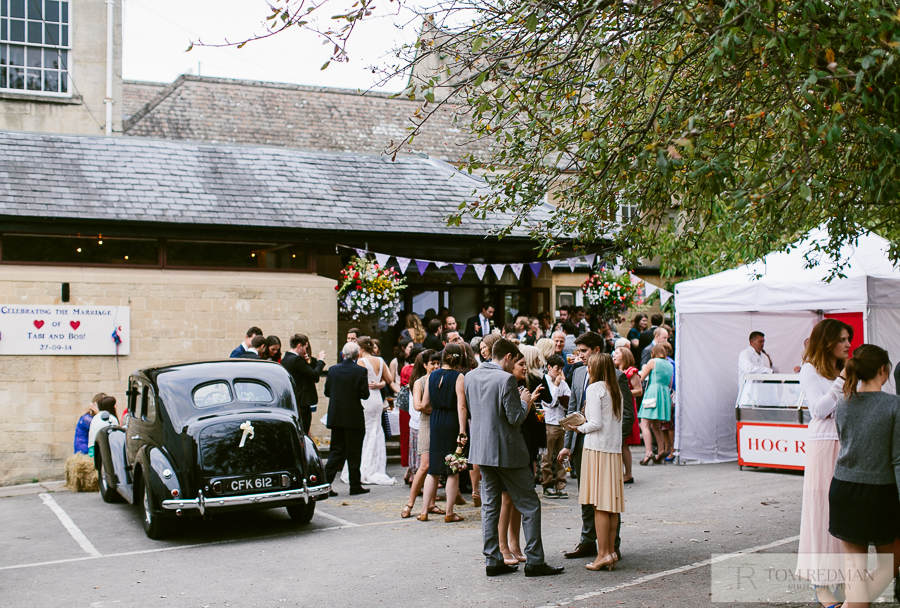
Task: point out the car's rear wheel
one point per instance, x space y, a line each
302 513
107 492
155 527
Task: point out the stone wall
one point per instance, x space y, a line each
175 316
85 112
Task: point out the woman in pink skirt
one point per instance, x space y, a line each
821 558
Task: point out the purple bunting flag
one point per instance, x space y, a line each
460 270
422 265
535 268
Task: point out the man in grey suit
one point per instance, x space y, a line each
498 446
587 344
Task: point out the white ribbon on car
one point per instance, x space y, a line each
248 430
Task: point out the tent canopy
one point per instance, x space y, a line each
786 283
715 315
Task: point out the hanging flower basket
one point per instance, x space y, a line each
368 291
610 295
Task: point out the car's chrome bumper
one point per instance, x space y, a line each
203 502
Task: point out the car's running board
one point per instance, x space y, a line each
127 492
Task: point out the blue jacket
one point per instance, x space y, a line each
81 434
236 353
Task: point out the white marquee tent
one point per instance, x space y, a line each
715 315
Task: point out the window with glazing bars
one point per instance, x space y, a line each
34 46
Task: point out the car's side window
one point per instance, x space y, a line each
149 411
134 403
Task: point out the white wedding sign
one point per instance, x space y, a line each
64 330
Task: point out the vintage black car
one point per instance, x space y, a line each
209 437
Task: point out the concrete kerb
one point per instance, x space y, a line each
33 488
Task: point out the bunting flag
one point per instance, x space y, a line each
480 270
535 268
552 263
361 253
590 259
422 265
382 259
460 270
441 264
649 288
498 270
517 269
572 262
403 263
664 296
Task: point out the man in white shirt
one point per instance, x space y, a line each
753 359
555 401
482 324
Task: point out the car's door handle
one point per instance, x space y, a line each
135 436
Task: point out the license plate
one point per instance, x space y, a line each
247 485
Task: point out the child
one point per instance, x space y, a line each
82 429
555 399
105 405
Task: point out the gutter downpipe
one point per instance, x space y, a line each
110 6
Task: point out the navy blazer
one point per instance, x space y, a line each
346 386
236 353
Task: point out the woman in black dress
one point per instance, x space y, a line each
446 394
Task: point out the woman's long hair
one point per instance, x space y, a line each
626 358
401 352
271 341
414 325
636 322
419 370
547 347
865 364
601 369
534 361
820 350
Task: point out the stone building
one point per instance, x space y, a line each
54 66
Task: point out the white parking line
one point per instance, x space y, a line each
651 577
337 520
70 526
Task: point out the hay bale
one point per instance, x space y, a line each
81 476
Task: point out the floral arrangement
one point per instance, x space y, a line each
368 290
610 294
456 461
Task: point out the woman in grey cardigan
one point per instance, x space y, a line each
864 503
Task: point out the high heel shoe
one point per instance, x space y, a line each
647 460
607 563
476 500
660 458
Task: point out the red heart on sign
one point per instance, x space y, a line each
39 324
74 324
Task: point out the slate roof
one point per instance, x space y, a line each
148 180
222 110
136 94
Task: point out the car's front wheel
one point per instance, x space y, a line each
107 492
155 527
302 513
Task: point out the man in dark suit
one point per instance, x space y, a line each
433 335
522 326
587 344
244 346
482 324
257 346
346 386
305 370
646 337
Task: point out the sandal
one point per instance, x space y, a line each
406 512
422 516
476 500
460 500
647 460
437 510
452 518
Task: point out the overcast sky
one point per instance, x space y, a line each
157 32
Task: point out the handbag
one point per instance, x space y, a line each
649 404
402 399
386 424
